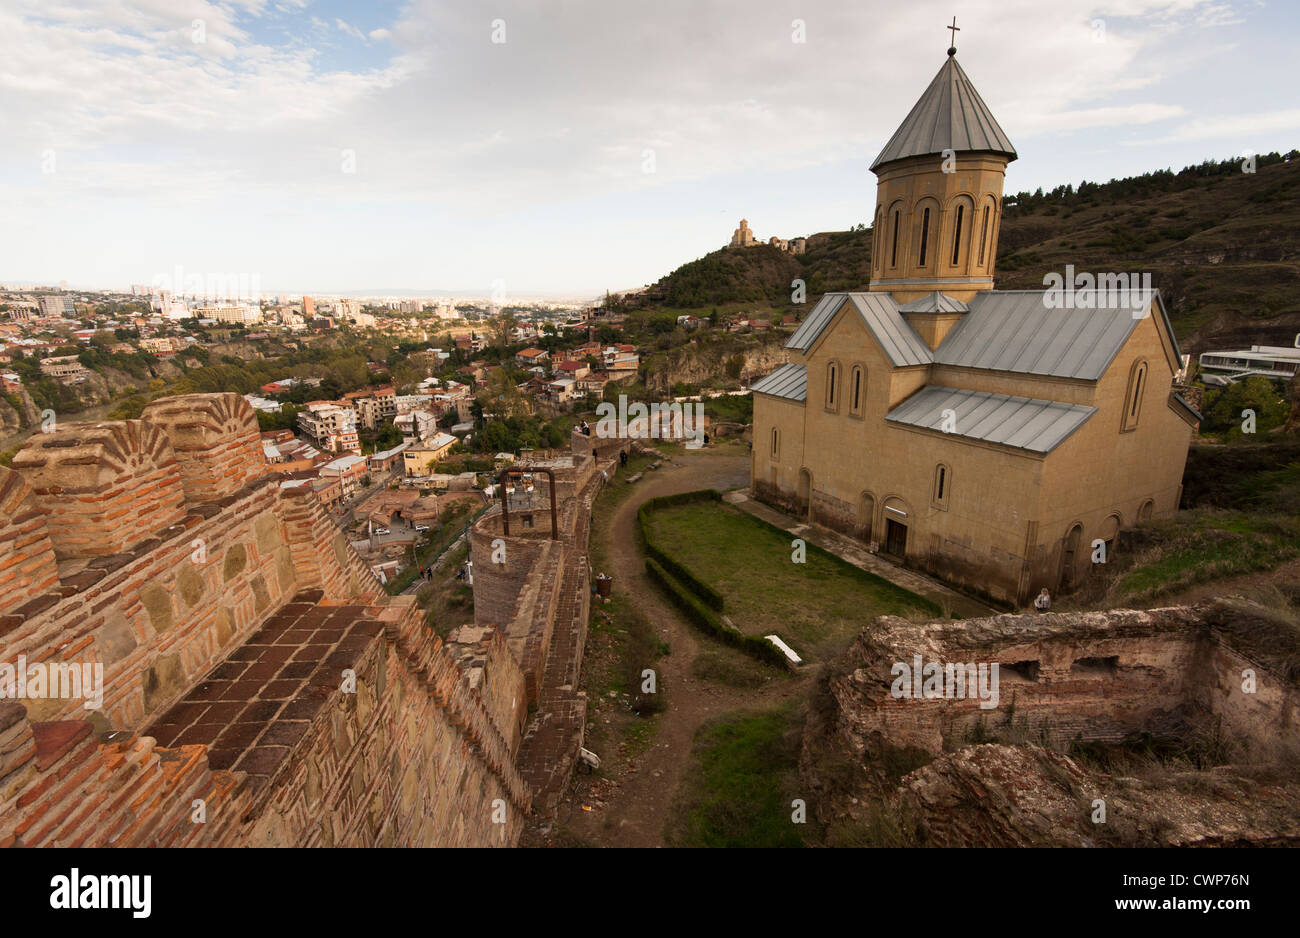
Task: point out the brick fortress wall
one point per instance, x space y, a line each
161 550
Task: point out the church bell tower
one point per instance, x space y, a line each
939 194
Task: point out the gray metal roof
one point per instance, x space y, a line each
815 321
1014 330
789 381
880 313
950 115
1022 422
935 302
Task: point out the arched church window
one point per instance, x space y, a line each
984 234
956 236
1133 399
893 252
832 382
925 235
775 440
856 383
942 485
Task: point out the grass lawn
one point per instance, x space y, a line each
740 784
817 606
1203 545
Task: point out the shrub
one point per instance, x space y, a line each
708 620
706 593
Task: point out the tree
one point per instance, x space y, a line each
387 437
503 330
1224 408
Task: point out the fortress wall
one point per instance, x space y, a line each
411 758
491 671
156 606
409 755
172 549
499 587
1261 719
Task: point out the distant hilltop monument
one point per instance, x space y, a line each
742 237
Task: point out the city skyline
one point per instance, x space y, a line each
397 149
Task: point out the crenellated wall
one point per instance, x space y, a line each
163 551
103 487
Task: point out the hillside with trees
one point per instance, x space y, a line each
1221 244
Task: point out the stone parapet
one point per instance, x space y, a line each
215 439
103 487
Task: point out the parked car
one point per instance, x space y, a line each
421 527
382 531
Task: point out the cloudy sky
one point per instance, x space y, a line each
562 146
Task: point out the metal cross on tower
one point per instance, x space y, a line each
955 29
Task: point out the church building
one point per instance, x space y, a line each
990 437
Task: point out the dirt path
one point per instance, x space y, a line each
632 812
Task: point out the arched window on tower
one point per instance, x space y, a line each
893 251
925 236
956 236
877 238
984 234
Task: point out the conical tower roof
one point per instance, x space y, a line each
949 116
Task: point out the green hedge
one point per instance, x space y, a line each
703 591
707 619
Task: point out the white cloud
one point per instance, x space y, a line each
444 121
350 29
1258 131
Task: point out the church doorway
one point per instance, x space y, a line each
1070 557
895 538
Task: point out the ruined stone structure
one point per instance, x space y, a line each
1204 676
259 688
990 437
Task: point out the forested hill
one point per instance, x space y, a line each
1222 245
